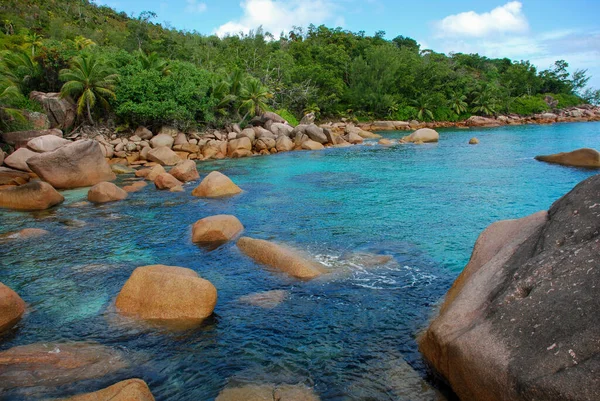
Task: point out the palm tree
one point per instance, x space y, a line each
89 80
227 91
19 68
423 108
151 61
458 103
82 42
253 98
9 95
31 41
484 102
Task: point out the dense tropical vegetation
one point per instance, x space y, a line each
135 71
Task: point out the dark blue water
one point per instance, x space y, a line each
423 205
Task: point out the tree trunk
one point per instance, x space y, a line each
89 113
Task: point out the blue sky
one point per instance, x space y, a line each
536 30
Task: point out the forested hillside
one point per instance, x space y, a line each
136 71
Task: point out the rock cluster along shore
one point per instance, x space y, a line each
521 321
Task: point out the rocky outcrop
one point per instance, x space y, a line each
80 164
61 111
55 364
106 192
47 143
12 308
126 390
18 159
220 229
35 195
422 135
281 258
520 322
585 157
216 185
267 392
169 295
185 171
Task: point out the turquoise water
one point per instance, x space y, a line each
423 205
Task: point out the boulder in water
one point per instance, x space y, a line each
167 295
36 195
281 258
311 145
79 164
166 181
163 156
106 192
216 185
220 228
473 141
423 135
126 390
584 157
134 187
520 322
12 308
185 171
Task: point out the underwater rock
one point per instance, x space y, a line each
216 185
578 158
268 392
134 187
12 308
265 299
520 322
25 233
36 195
220 228
55 364
106 192
281 258
385 142
168 295
126 390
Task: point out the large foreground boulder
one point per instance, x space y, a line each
423 135
126 390
168 295
220 228
61 111
281 258
584 157
216 185
35 195
106 192
12 308
56 364
80 164
521 321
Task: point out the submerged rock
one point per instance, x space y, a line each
220 228
216 185
265 299
520 322
80 164
168 295
268 392
281 258
12 308
578 158
126 390
55 364
134 187
36 195
106 192
25 233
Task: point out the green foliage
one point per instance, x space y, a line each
148 97
526 105
289 117
567 100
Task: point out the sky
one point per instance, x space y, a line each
541 31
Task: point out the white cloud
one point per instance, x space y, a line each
508 18
194 6
276 16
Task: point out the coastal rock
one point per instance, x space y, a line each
261 132
152 173
284 144
121 169
308 119
311 145
316 133
185 171
79 164
136 186
479 121
166 181
126 390
584 157
281 258
360 132
106 192
143 133
265 299
25 233
243 143
264 144
18 159
216 185
423 135
46 143
473 141
267 392
9 176
163 156
36 195
180 139
520 321
279 129
55 364
20 138
167 294
36 119
353 138
248 133
162 139
61 111
385 142
12 308
276 118
220 228
383 126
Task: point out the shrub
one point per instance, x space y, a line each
567 100
289 117
527 105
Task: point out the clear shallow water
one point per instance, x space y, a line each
423 205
